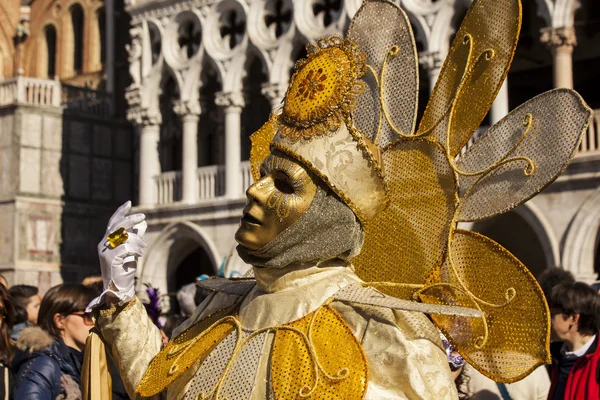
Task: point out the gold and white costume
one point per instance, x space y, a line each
369 240
404 354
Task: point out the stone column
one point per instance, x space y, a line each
190 113
274 92
232 103
149 131
500 107
561 42
432 63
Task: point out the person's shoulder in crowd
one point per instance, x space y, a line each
38 365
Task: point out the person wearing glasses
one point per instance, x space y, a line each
49 356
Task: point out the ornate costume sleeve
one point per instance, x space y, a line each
132 338
403 352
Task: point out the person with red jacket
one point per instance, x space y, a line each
575 372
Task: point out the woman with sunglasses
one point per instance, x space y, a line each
49 358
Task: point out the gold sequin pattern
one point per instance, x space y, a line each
407 240
473 72
191 346
513 337
261 145
318 357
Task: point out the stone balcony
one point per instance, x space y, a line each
52 93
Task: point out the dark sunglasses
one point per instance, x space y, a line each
87 317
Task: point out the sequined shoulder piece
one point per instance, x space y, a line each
358 294
237 286
318 357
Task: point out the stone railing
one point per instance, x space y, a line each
168 187
591 140
246 175
44 92
30 91
211 183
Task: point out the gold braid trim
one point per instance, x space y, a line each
114 308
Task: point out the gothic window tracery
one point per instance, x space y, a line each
232 28
278 17
327 10
189 36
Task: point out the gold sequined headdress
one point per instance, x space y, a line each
350 116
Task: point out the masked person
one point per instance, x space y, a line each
351 229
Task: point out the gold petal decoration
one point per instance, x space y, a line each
191 346
261 145
406 242
392 79
318 357
467 85
513 337
522 154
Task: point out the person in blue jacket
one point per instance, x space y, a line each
49 356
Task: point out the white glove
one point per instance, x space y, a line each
118 264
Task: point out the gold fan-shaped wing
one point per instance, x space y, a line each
520 155
513 337
389 103
473 71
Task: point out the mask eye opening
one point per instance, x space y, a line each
282 183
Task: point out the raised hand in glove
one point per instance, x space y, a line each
118 251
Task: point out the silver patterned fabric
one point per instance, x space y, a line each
238 383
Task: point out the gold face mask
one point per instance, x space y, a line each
282 194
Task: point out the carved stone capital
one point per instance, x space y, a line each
230 100
555 38
133 95
274 92
142 116
430 60
187 108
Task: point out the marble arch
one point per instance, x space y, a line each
174 244
538 222
582 239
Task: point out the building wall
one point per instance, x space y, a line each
62 173
57 13
9 18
